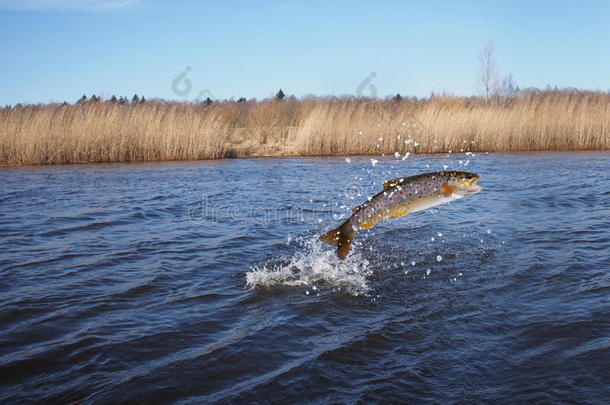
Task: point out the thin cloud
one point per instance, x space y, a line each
64 4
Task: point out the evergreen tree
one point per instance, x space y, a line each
397 97
208 101
241 100
142 100
135 99
81 100
113 99
280 95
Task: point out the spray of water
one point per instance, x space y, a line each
314 265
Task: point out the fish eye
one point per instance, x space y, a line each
468 176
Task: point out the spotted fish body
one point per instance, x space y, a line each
400 197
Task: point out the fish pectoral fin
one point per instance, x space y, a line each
399 212
446 190
391 183
366 225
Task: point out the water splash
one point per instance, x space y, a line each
314 264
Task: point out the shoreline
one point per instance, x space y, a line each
105 131
353 156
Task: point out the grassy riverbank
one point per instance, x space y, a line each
104 131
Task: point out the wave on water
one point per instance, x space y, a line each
314 265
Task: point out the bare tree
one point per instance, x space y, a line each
509 88
488 71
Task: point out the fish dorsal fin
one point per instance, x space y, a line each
394 182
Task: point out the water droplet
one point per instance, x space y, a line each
348 160
439 258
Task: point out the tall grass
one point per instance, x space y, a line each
158 130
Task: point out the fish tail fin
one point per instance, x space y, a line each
331 237
342 237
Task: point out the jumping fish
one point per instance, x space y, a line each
402 196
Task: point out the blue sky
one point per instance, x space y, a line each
59 49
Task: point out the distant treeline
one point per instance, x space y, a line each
137 129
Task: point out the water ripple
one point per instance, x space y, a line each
181 282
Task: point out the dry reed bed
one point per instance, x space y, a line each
157 130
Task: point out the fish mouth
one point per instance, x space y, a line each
473 189
469 188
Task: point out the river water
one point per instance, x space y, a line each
203 282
